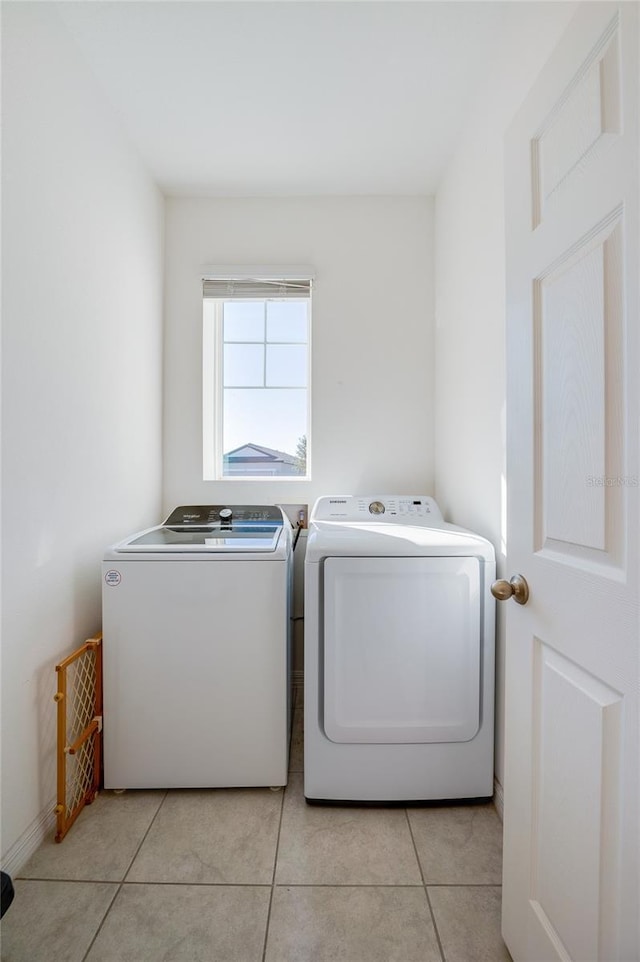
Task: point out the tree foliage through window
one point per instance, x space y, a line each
301 455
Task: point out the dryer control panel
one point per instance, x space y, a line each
389 509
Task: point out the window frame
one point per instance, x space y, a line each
213 389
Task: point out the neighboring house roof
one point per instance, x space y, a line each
257 453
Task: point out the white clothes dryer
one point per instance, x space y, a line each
399 653
196 650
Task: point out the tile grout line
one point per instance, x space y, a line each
425 889
273 877
353 885
122 881
264 885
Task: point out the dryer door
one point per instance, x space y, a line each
402 649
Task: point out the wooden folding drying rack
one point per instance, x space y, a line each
79 699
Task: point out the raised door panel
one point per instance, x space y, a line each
578 396
576 795
584 120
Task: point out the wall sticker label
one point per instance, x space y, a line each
113 578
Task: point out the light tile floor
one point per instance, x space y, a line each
259 876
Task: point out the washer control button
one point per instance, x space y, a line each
376 507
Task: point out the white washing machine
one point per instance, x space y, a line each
196 651
399 654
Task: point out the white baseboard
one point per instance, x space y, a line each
21 851
498 798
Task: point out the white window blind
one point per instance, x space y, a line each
261 287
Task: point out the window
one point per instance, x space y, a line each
256 376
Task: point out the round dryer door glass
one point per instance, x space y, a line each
376 507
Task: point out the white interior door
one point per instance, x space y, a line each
571 781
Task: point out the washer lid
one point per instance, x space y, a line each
254 537
210 529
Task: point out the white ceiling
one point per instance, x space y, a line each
309 98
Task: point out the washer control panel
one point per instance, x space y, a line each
390 509
204 514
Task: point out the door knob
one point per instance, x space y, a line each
517 588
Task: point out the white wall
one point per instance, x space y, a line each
372 413
470 303
82 234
